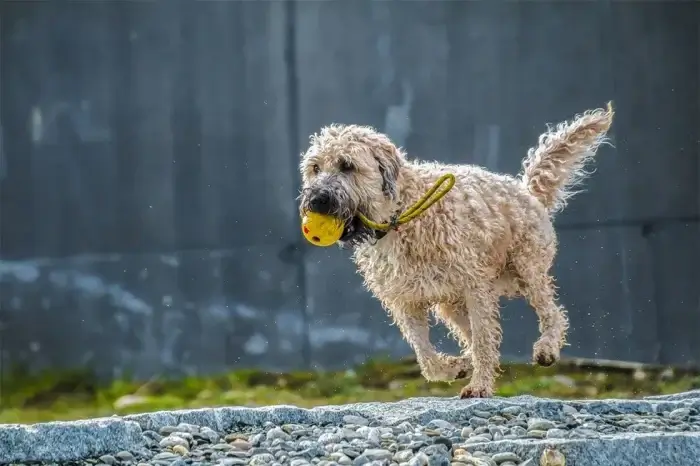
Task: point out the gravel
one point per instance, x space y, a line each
519 431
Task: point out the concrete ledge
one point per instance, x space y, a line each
420 410
71 441
677 449
67 441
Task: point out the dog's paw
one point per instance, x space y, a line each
545 353
475 390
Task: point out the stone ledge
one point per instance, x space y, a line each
71 441
677 449
67 441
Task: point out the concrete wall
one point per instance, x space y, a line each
148 171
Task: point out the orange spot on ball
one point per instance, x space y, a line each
306 230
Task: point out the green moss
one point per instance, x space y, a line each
77 394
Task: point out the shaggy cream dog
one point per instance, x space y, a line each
490 236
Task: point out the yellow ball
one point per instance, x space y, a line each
321 230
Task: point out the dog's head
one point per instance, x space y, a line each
349 169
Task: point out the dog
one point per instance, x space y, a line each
491 235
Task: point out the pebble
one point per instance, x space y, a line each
172 440
277 433
539 434
124 456
506 456
540 424
208 434
679 413
403 456
180 450
440 424
241 444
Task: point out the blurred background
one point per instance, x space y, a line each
148 176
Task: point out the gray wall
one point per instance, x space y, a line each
148 171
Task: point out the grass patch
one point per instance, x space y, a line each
77 395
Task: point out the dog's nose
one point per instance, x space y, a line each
320 203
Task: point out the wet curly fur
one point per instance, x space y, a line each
490 236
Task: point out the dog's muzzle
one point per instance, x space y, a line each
323 203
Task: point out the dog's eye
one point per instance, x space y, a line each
316 169
346 166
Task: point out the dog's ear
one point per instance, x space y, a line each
389 161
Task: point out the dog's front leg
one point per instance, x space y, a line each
485 343
413 322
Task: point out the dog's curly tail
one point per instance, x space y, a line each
558 162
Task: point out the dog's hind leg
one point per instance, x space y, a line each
486 342
532 265
541 294
456 319
435 366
